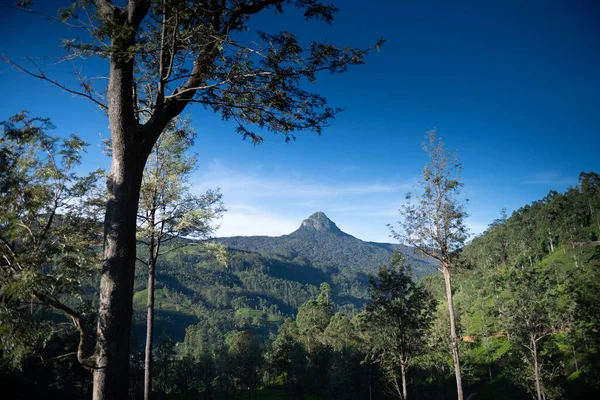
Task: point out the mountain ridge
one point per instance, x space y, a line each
322 242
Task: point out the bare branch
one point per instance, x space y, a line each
142 261
42 76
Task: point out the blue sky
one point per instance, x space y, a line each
512 86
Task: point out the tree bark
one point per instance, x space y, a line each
149 328
536 368
403 369
116 284
455 355
111 380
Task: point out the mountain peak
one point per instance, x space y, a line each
319 222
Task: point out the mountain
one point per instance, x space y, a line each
319 240
266 278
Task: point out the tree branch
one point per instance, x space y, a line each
79 322
107 11
136 11
42 76
246 9
142 261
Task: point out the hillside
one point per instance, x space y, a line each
535 272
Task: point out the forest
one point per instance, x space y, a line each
114 286
281 321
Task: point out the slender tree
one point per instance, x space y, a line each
433 222
312 319
168 211
398 316
162 56
528 314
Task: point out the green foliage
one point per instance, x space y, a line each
397 319
167 208
287 356
315 314
49 232
529 317
567 220
247 355
533 280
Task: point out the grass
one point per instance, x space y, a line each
560 258
259 317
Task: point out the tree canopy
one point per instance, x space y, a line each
49 229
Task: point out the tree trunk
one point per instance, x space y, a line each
116 284
395 383
403 369
453 336
111 380
536 368
149 325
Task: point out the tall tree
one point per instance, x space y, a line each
314 315
288 356
434 222
528 315
398 316
162 56
48 231
247 353
169 211
312 320
346 372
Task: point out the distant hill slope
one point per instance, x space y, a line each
319 240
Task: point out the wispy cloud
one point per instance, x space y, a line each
365 210
245 220
548 178
255 183
265 202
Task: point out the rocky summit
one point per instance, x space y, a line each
319 240
319 222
